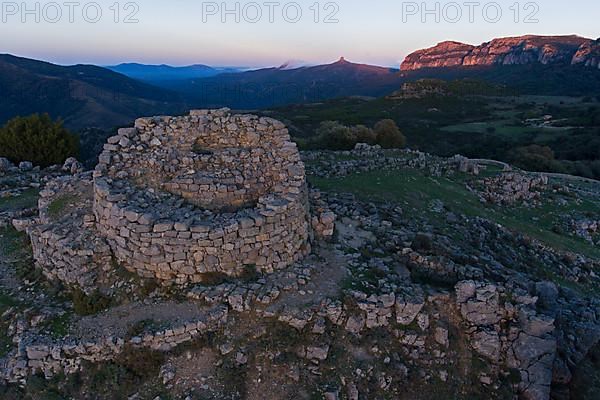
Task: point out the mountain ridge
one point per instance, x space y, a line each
517 50
277 86
161 72
81 95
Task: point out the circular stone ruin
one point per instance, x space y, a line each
179 198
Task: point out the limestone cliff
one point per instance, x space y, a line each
588 54
445 54
519 50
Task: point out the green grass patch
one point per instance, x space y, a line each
12 242
27 199
415 191
59 325
58 206
15 249
6 302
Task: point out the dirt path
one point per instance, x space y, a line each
117 321
324 282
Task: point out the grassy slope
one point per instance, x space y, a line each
27 199
416 191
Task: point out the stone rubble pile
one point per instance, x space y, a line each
15 182
366 158
512 335
66 246
248 296
588 229
512 188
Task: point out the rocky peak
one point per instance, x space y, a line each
444 54
520 50
588 54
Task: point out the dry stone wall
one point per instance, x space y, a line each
65 245
211 192
66 355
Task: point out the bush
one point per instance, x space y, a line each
38 139
388 135
362 134
140 362
536 158
332 135
89 304
422 242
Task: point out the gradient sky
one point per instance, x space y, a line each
173 32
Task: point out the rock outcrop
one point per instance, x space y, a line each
521 50
445 54
588 54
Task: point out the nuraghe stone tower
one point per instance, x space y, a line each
209 192
178 198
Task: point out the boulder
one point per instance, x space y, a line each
25 166
409 303
6 165
72 166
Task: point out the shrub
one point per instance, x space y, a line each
536 158
362 134
422 242
84 304
388 134
38 139
250 273
133 370
140 362
334 136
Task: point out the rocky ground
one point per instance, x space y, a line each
444 280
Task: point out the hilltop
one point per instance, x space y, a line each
445 278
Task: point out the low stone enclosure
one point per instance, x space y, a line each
178 198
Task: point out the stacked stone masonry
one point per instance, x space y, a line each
66 355
180 197
65 245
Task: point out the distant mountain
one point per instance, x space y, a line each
82 95
163 72
284 85
294 64
521 50
545 65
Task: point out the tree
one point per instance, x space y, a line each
388 135
362 134
38 139
334 136
536 158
